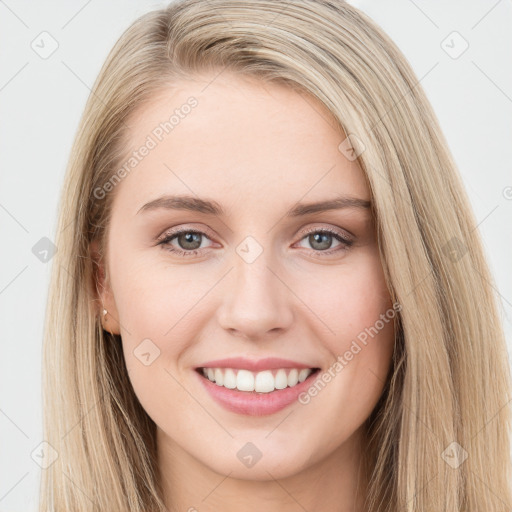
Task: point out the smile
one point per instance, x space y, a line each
253 393
261 382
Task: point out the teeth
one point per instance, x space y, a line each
244 380
280 380
219 377
303 374
229 379
264 382
261 382
293 377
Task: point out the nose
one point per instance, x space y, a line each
256 302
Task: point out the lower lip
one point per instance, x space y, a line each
253 403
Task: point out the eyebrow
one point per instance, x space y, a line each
210 207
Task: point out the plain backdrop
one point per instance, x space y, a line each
460 51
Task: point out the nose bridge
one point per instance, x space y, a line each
255 300
253 283
253 278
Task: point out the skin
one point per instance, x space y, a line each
257 150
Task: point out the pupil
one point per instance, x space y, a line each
317 238
188 238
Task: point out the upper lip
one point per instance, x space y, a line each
255 365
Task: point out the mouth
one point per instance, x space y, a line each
251 382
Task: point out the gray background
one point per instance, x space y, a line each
41 100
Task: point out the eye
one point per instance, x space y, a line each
322 239
189 241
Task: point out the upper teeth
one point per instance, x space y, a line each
262 382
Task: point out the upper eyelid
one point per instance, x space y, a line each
345 242
171 234
329 230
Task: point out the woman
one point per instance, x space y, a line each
269 292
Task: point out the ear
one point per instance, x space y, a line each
103 292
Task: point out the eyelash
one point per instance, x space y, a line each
165 243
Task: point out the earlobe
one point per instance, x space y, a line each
109 322
105 303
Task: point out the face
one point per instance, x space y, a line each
240 268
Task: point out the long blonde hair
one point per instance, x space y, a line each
450 380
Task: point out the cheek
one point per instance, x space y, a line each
159 320
357 308
154 300
162 311
352 301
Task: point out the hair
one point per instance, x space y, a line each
449 379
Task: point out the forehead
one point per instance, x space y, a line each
226 134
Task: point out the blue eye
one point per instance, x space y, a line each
190 241
321 239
